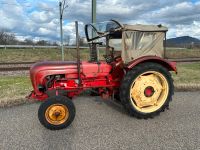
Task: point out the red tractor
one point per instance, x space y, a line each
133 72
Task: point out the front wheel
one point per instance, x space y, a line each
146 90
56 112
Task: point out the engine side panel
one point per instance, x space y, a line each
91 70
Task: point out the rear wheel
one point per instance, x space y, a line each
146 90
56 112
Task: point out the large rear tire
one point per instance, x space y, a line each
56 112
146 90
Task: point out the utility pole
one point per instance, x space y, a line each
78 52
93 53
62 6
93 11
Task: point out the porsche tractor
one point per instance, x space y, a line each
133 71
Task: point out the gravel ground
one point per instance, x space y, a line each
105 125
15 65
15 73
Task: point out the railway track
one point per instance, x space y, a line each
15 63
15 66
23 66
184 60
14 69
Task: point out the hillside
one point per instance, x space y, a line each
183 41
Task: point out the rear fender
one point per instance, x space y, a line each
171 66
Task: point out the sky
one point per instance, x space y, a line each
36 19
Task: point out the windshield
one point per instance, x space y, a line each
97 30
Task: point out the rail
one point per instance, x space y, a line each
42 47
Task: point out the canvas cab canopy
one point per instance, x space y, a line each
142 40
131 41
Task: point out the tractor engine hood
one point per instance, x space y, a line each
42 69
53 65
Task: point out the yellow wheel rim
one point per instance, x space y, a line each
149 91
57 114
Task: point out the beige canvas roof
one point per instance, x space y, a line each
142 40
140 27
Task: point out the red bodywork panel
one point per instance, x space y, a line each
92 75
42 69
105 77
171 66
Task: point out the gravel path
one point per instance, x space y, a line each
15 73
103 125
16 65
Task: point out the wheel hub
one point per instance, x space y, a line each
57 114
147 89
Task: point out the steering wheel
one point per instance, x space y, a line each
100 34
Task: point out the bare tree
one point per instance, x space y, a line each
2 37
42 43
28 42
55 43
7 38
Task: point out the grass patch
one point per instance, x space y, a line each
187 73
182 53
13 88
19 55
34 55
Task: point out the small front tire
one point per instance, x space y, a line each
56 112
